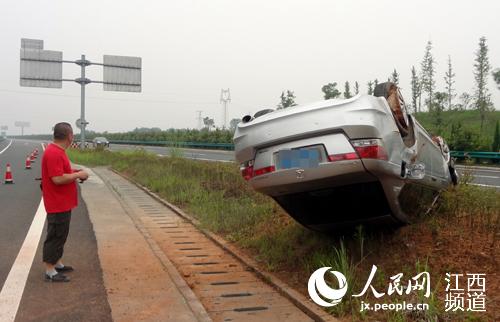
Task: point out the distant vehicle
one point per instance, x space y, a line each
100 142
344 162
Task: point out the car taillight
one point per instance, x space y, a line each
343 156
246 169
370 149
265 170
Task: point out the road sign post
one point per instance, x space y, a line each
82 81
43 68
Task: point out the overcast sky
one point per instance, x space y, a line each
192 49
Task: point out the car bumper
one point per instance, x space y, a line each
327 175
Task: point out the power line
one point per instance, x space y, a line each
110 98
123 99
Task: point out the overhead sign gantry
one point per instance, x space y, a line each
43 68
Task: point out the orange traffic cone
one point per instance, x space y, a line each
32 158
8 175
28 163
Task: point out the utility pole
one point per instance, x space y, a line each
200 119
225 98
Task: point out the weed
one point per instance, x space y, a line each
359 235
175 152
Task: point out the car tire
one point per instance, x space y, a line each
385 90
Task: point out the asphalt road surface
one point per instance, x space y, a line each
210 155
35 299
483 176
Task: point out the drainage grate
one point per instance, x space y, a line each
224 283
214 272
250 309
236 294
196 255
180 243
206 263
194 248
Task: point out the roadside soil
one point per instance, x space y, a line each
447 246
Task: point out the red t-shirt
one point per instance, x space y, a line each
57 198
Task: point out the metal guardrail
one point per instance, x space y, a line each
475 155
197 145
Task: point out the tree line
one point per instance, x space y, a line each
204 135
426 98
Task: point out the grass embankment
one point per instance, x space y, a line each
459 236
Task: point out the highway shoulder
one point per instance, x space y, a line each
137 284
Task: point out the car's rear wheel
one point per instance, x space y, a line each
391 93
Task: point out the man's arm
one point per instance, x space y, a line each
69 177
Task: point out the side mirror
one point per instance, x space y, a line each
408 155
414 171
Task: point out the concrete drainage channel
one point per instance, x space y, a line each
227 289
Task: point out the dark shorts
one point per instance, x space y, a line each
57 232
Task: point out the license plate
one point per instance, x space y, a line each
298 158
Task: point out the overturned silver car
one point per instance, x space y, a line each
344 162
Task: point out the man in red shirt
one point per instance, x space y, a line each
59 197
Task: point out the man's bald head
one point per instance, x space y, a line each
62 131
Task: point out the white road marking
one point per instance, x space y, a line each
479 169
13 288
480 176
484 185
6 147
212 160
